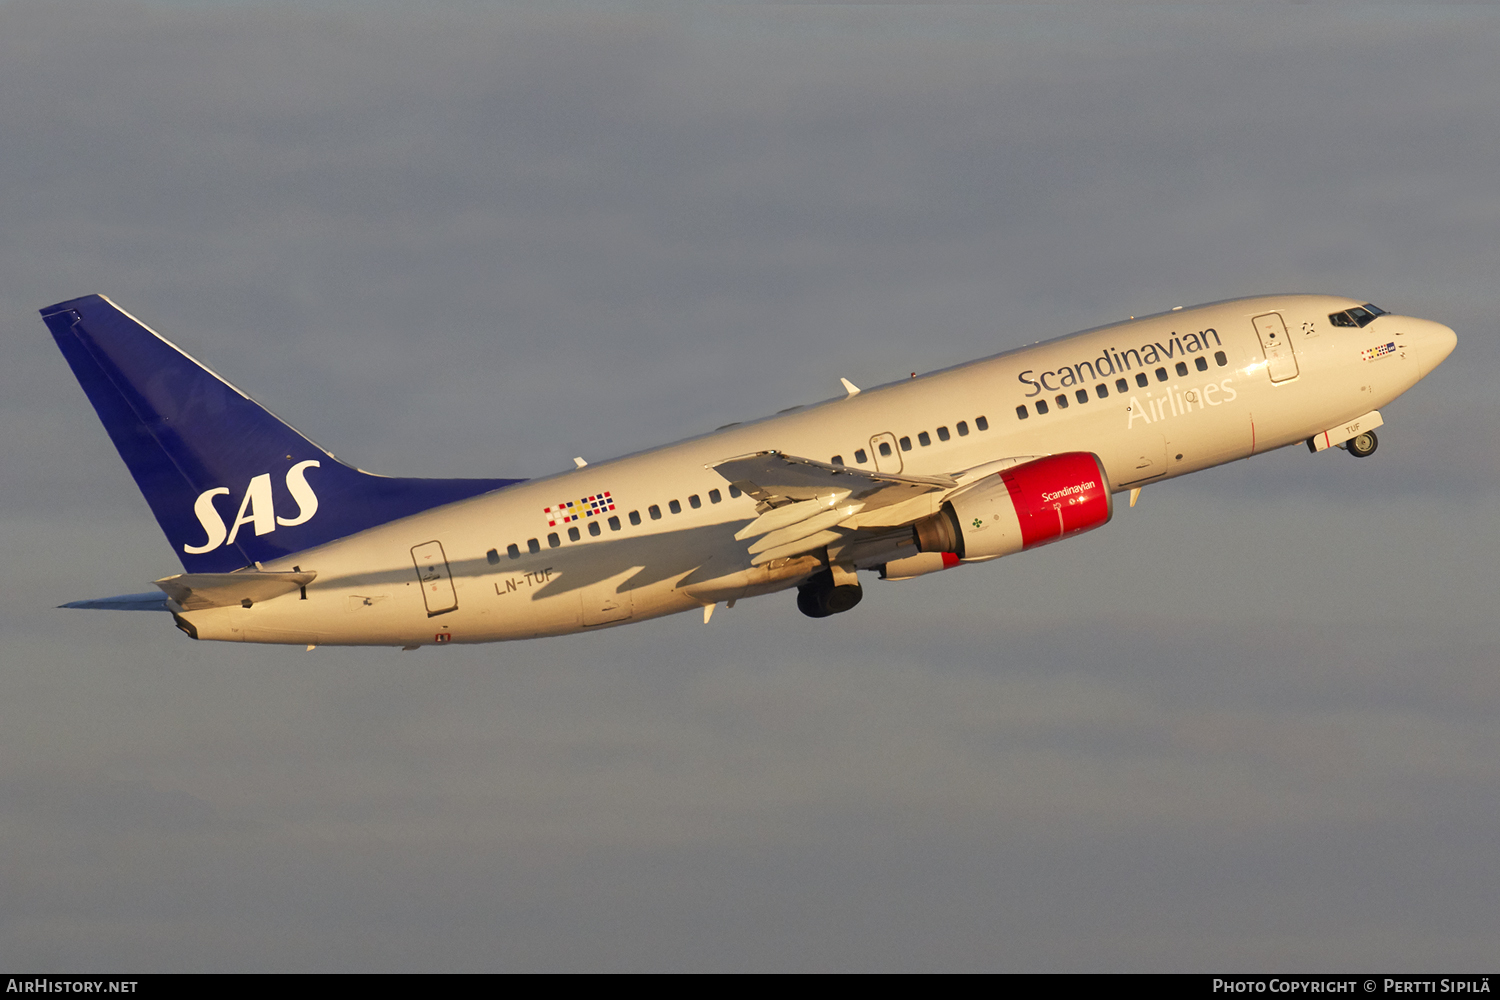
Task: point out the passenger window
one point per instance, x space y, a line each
614 523
962 428
906 444
1062 401
1101 390
493 555
714 496
694 502
1141 379
1083 394
861 457
654 511
1122 386
573 534
836 460
734 491
981 423
635 517
923 439
1220 359
1200 363
1041 406
1182 368
1022 413
533 546
1161 374
514 551
674 506
594 529
885 449
553 540
943 434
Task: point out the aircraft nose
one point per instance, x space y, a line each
1430 342
1437 342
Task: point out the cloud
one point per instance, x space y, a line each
1245 725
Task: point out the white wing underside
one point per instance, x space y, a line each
805 505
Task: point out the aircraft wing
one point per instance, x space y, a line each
803 502
775 480
805 505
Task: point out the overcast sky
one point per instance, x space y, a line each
1251 724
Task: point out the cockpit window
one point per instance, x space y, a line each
1358 316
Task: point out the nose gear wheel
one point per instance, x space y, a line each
1363 445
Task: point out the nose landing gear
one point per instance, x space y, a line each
1362 445
822 595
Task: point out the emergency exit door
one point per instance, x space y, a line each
886 452
437 581
1281 358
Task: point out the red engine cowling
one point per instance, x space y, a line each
1029 505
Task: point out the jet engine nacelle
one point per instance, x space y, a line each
1025 506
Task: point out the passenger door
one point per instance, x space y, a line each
1281 357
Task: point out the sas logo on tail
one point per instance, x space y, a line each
256 508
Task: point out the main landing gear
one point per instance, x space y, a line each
831 592
1362 445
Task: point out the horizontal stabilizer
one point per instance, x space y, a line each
196 591
149 601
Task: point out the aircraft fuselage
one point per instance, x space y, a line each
1154 398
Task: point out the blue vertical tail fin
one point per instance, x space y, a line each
229 482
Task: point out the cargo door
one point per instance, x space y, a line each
1281 358
437 581
886 453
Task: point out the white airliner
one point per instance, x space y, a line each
282 543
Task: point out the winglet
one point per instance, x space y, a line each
850 388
